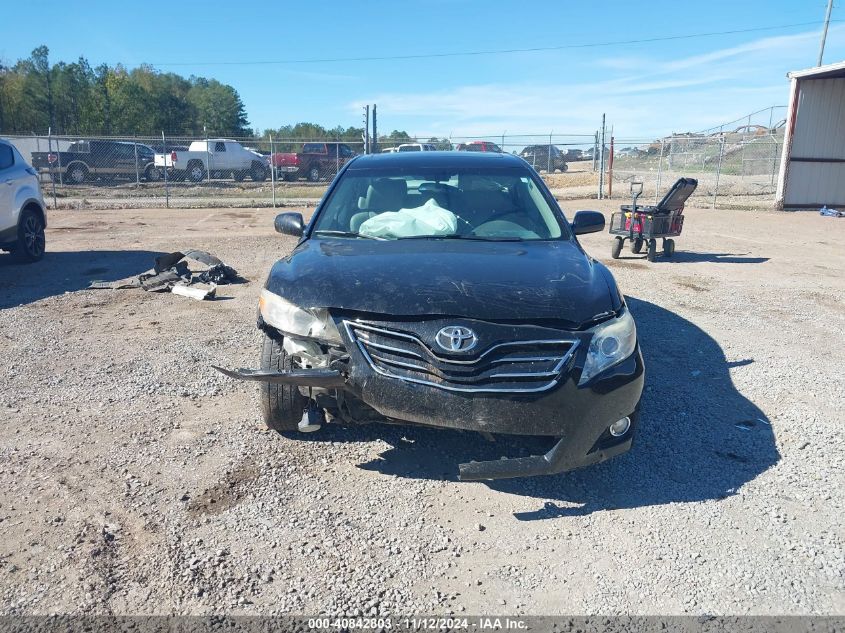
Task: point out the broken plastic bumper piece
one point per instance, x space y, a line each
562 457
298 377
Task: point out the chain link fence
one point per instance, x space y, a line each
734 169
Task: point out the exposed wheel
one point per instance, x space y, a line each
669 247
196 172
637 245
618 243
238 176
281 405
152 173
31 241
258 172
652 250
314 174
77 174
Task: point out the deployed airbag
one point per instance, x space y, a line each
429 219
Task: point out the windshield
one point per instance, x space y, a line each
482 204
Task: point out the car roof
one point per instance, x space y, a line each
436 159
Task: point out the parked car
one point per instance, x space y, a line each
389 150
86 160
449 291
416 147
546 157
22 215
215 158
316 161
478 146
572 155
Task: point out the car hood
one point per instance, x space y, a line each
472 279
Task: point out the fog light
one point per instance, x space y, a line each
620 427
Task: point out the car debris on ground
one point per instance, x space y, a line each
172 273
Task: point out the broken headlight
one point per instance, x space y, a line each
291 319
613 341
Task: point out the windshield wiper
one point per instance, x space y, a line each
346 234
477 238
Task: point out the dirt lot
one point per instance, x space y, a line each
135 479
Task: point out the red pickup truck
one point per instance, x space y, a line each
316 161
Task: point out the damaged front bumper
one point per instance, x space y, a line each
325 378
579 416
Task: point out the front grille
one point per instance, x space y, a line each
521 366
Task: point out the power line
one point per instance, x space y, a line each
503 51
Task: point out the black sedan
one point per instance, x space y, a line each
448 290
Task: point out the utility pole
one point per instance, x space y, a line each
366 134
824 30
374 147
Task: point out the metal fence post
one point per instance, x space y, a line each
137 175
164 169
207 156
601 159
272 172
659 170
718 170
50 151
549 167
59 162
774 158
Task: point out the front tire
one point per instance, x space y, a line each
314 174
31 240
196 172
618 243
637 245
281 405
258 173
652 250
77 174
152 173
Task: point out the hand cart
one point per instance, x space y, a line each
643 225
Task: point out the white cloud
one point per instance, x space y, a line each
642 97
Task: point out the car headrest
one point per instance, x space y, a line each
386 194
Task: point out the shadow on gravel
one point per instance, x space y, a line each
66 271
689 257
699 439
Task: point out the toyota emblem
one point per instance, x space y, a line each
455 338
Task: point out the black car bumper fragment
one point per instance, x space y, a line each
578 416
299 377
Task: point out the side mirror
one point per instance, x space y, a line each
293 224
588 222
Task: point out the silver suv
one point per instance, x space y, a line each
22 217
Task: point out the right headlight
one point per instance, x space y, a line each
291 319
613 341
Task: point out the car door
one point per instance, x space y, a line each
10 180
124 163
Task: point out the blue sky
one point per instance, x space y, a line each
646 89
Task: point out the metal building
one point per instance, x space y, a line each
812 167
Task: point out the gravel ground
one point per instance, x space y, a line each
135 479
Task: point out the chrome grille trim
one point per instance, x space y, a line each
358 334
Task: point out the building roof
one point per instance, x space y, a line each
820 72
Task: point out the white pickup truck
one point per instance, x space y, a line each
215 158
